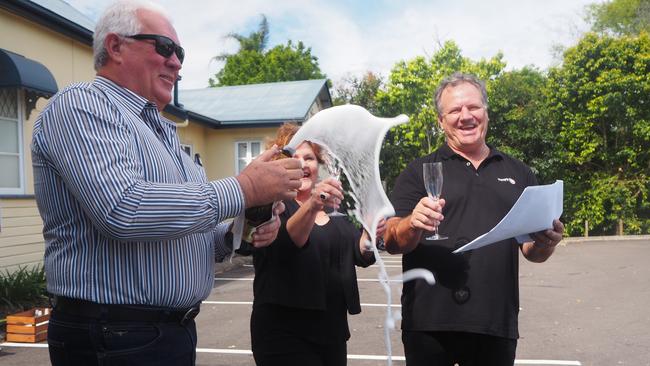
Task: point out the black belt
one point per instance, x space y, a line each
123 313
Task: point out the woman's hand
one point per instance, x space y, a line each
381 229
364 242
265 235
327 193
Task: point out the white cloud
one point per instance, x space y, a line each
350 43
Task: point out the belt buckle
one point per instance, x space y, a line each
190 314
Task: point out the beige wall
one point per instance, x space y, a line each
195 135
21 240
69 61
219 157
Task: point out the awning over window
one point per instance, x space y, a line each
19 71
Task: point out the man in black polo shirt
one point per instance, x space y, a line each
470 316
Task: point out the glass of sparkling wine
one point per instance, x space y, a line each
432 174
334 170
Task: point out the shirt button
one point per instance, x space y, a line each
462 295
468 163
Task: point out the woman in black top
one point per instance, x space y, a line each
305 281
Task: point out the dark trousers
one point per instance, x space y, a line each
276 341
303 352
449 348
74 340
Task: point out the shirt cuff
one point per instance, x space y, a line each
222 243
229 197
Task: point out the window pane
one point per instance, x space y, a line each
8 136
9 165
187 149
241 164
241 150
8 103
255 149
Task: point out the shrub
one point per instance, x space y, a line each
22 289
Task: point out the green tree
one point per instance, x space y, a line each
620 16
519 122
601 98
360 91
256 41
410 90
253 63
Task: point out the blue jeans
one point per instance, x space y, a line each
74 340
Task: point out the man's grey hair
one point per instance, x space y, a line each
121 17
456 79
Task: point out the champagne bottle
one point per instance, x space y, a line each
259 215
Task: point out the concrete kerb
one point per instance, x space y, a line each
595 239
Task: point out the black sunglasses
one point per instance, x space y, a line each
165 47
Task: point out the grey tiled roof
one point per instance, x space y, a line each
67 11
256 103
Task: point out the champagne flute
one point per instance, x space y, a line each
334 170
329 168
432 174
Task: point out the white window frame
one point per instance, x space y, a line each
248 158
21 152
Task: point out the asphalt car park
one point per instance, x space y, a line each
588 305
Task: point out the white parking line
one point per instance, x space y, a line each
210 302
225 351
396 265
24 345
388 265
251 279
350 357
547 362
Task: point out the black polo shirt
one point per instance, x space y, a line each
476 291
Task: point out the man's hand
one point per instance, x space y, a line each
266 234
403 234
543 244
427 214
549 238
265 180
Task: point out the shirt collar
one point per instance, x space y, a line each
131 100
447 153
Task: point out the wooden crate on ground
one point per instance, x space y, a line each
28 326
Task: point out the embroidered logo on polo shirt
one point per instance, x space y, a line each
509 180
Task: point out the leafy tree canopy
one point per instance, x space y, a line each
600 97
620 16
360 91
253 63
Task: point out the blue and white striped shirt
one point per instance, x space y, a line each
129 218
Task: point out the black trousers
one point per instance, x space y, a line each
465 349
74 340
278 340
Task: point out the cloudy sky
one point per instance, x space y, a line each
350 37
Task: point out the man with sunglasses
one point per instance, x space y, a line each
131 224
